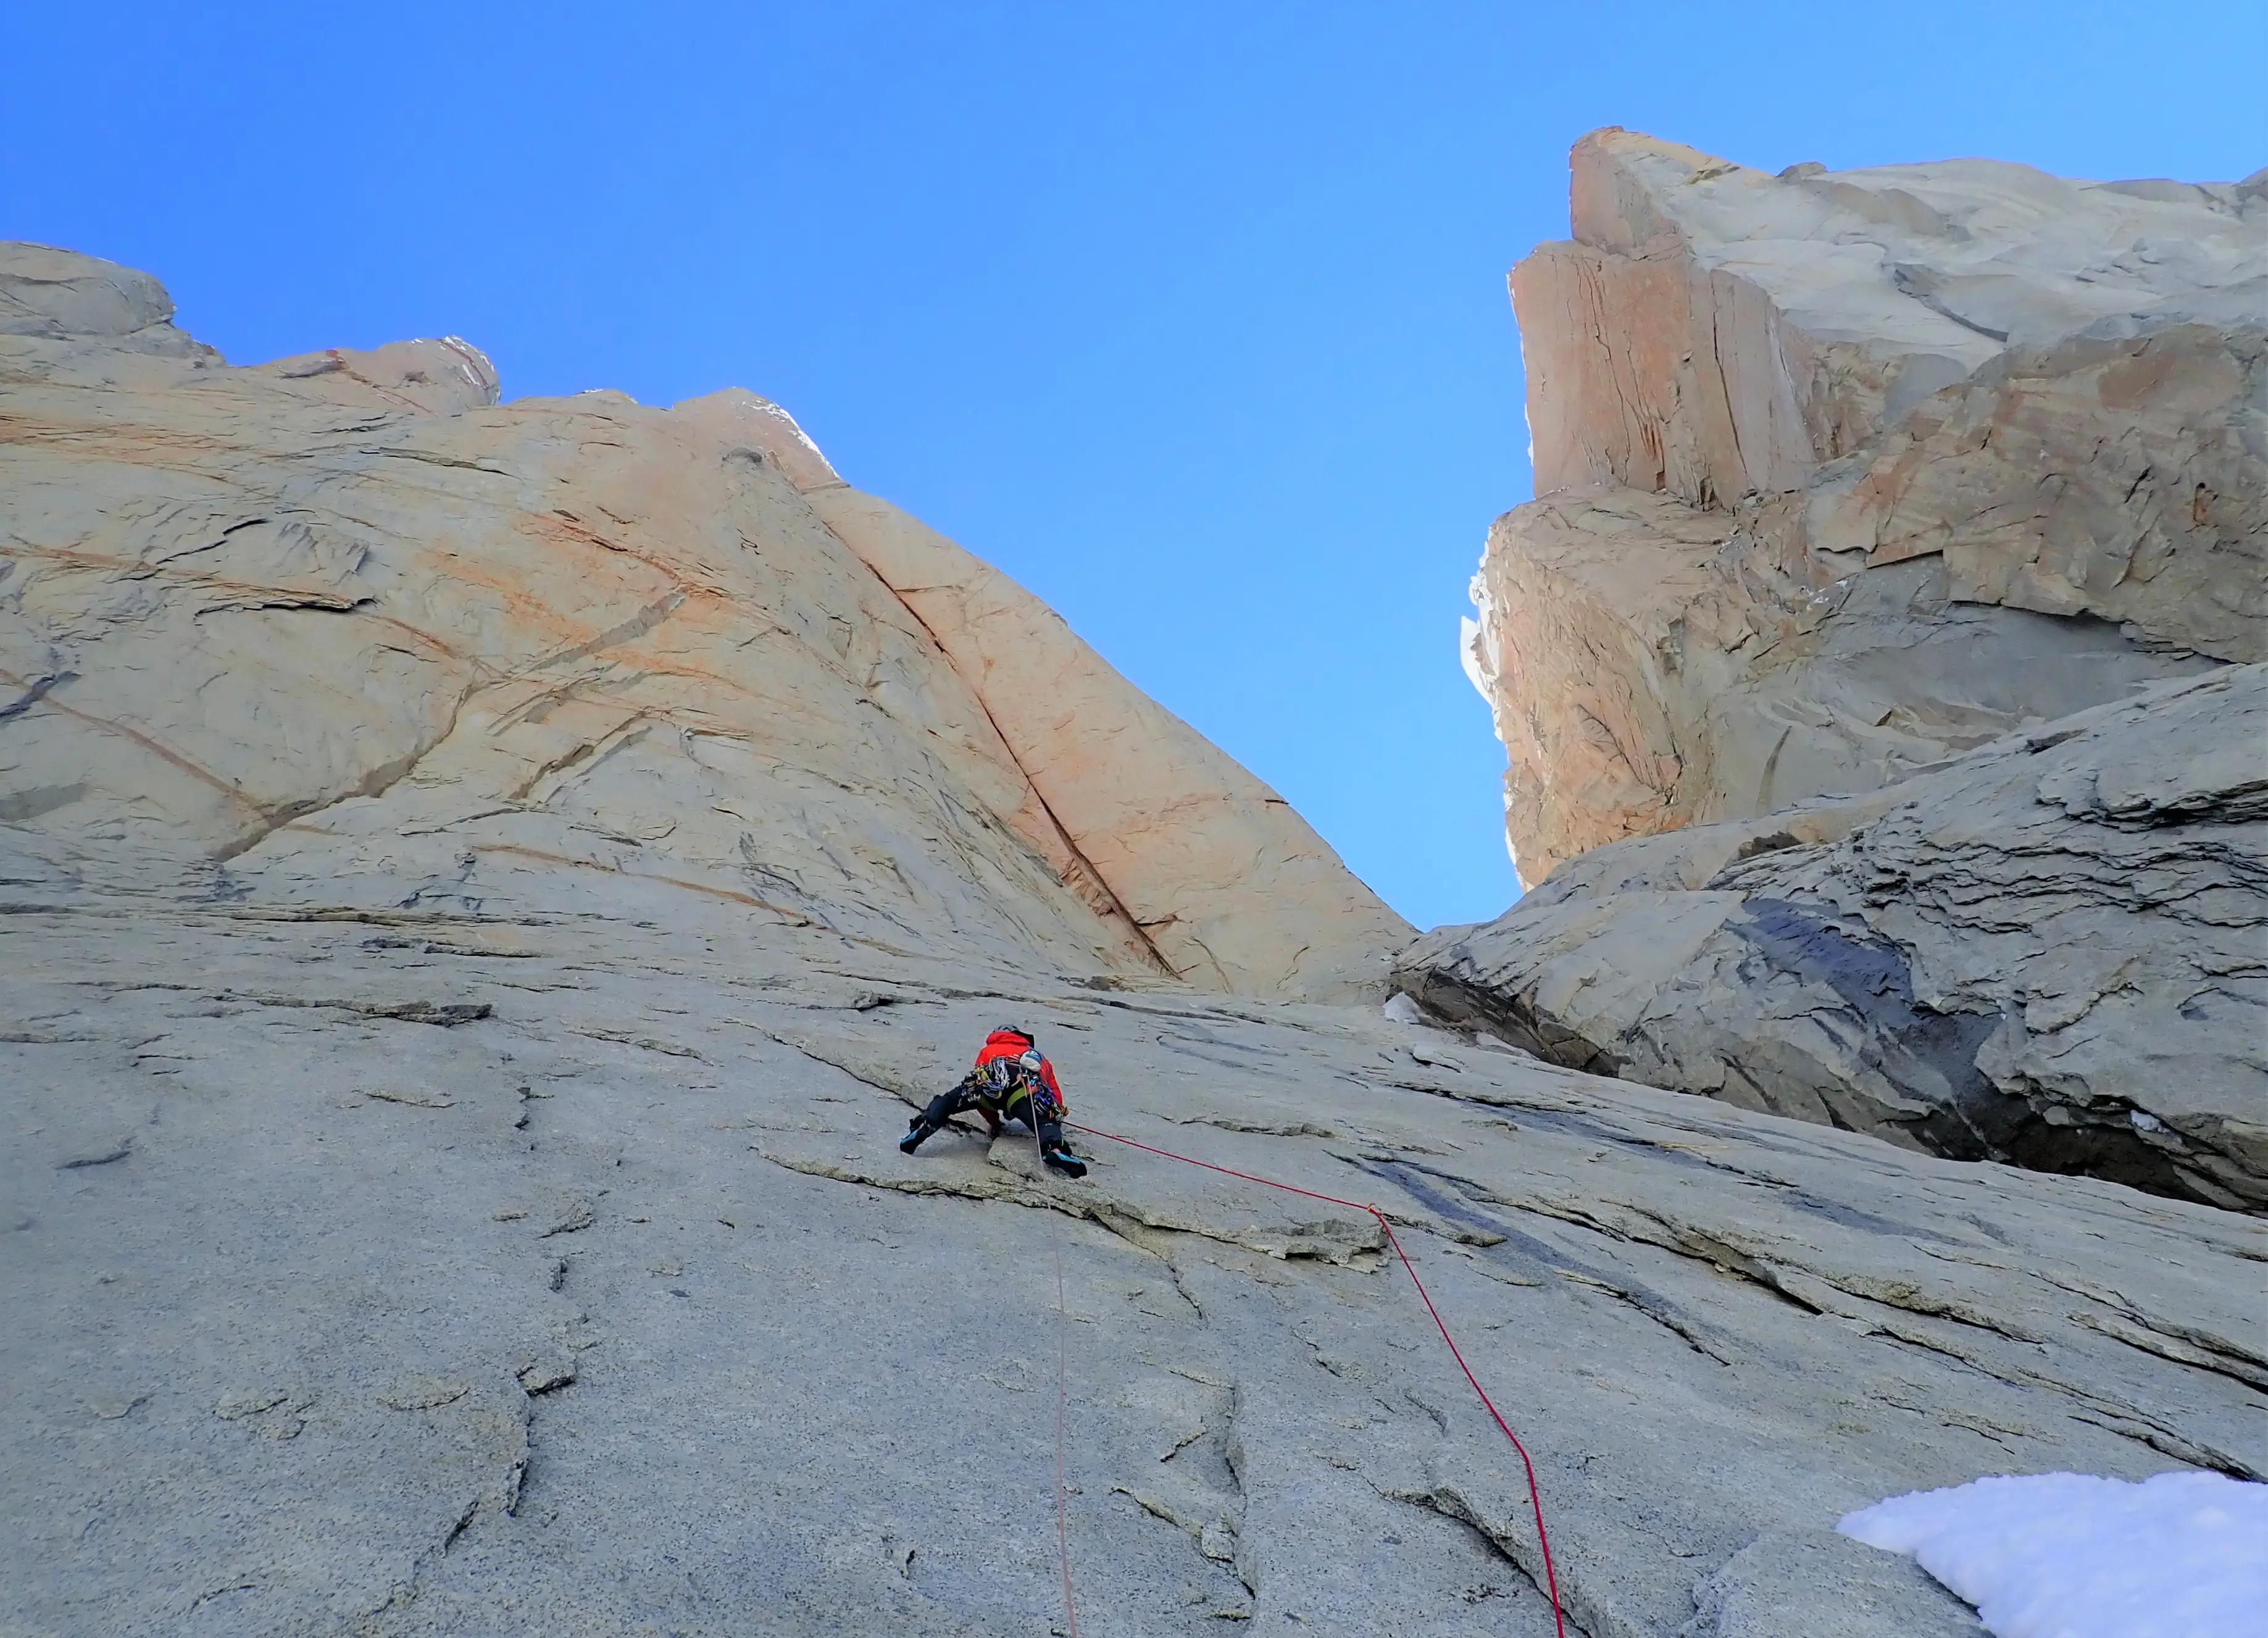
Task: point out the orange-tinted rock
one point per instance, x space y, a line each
449 650
1912 407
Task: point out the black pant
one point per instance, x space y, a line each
1017 1104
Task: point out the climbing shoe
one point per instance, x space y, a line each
918 1131
1063 1160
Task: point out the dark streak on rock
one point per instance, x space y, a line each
103 1159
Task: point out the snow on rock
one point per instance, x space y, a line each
2071 1556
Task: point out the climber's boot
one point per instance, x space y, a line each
1060 1157
918 1131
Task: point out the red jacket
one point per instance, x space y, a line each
1008 1043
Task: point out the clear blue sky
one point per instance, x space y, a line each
1189 317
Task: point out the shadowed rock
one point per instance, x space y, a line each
2054 953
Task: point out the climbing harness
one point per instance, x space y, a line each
1535 1492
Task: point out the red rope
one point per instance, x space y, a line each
1535 1492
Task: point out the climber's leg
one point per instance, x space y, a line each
941 1108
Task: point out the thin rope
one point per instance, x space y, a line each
1534 1491
1063 1393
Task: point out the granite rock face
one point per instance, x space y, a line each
486 885
346 626
1841 475
2052 953
612 1305
1878 665
1193 850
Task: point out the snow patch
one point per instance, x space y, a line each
1472 652
2071 1556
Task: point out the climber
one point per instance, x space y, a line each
1011 1081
